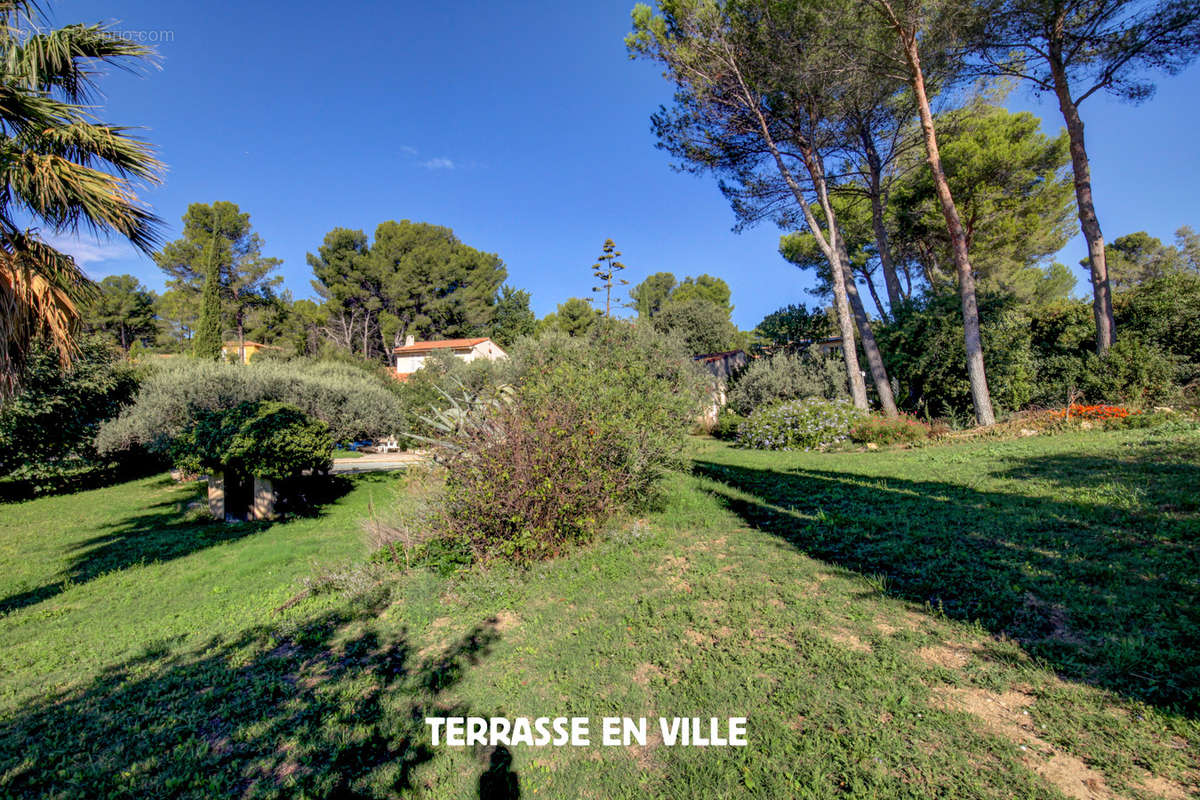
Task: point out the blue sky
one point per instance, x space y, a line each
522 126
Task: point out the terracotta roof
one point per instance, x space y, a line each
440 344
249 343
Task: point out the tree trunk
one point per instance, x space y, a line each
858 387
841 302
839 262
980 395
1089 223
875 190
241 340
883 315
879 376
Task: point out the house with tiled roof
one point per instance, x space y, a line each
411 356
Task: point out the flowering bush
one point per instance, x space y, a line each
1100 413
800 425
904 429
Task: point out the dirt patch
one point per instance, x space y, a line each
672 568
1050 619
904 621
696 637
1006 715
949 655
705 546
644 673
643 755
1164 788
848 639
506 621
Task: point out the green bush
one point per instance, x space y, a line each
47 430
809 424
538 478
788 376
728 422
354 403
881 430
1132 372
591 425
642 389
425 392
924 353
1164 312
264 439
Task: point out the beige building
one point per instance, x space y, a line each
229 350
411 357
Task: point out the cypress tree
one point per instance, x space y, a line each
208 334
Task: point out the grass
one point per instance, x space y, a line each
989 619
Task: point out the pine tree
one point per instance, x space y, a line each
606 269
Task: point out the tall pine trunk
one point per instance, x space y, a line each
839 261
879 376
854 375
976 374
1089 223
875 190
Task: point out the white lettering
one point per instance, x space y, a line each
579 732
670 735
498 731
435 724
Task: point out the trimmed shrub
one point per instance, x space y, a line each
809 424
354 403
881 430
788 376
266 439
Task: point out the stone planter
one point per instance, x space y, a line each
216 495
263 506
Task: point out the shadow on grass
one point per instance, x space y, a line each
330 708
168 530
1102 581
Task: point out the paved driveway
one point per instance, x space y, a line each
375 462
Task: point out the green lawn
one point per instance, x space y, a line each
988 619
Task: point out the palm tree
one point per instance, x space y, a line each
62 169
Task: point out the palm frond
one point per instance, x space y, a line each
66 59
59 165
41 291
69 196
